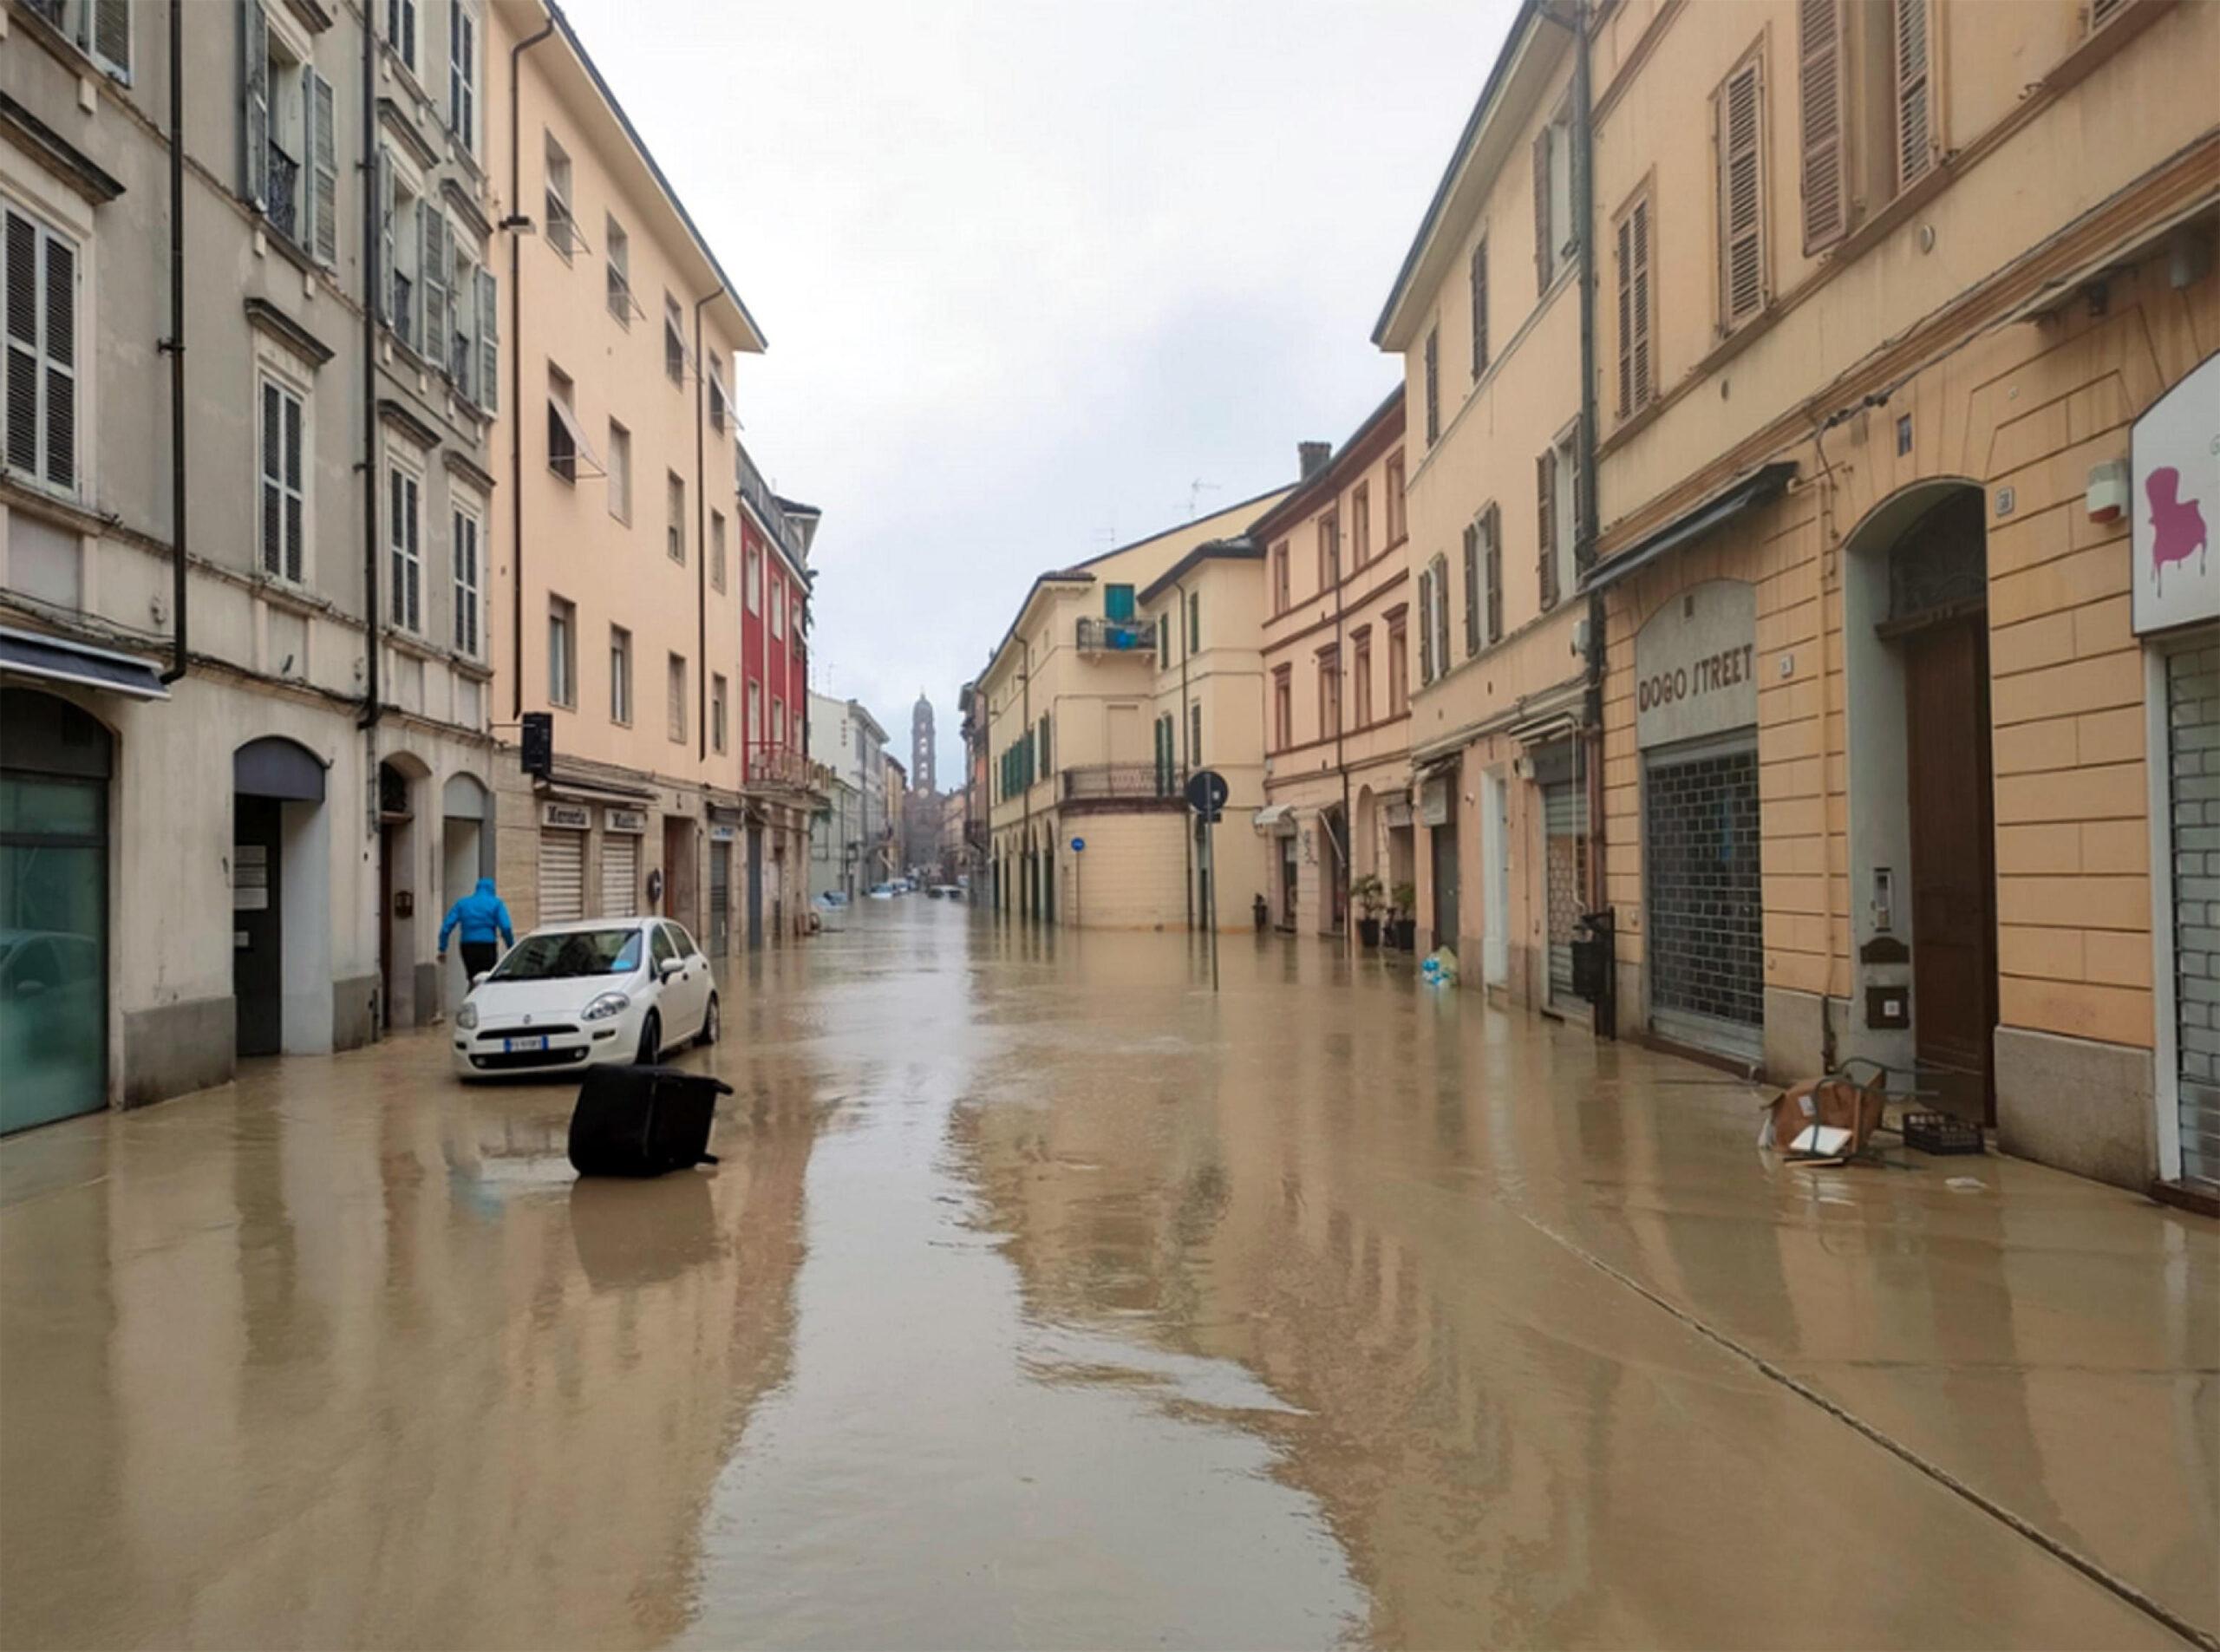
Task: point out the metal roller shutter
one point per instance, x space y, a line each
562 876
720 898
620 875
1701 850
1564 820
2193 772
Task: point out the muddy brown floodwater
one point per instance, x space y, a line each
1044 1299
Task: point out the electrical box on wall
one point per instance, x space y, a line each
1887 1009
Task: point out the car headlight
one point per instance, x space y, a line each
466 1017
609 1004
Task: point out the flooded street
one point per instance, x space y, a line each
1044 1299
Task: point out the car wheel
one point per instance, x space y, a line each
712 1023
651 1040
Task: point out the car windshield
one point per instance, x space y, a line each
571 952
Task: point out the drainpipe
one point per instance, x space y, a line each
1025 792
1583 207
174 346
516 364
373 631
1187 722
702 535
1342 722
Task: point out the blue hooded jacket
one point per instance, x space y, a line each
480 914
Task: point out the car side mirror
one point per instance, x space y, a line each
480 979
668 968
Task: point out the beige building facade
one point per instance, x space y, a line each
1902 673
1068 712
1336 645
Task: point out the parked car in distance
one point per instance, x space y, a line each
832 909
945 892
882 892
610 990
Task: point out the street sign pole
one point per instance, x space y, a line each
1206 795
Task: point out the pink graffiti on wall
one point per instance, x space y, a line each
2178 530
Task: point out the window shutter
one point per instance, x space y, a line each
1644 378
254 82
1915 95
1494 533
489 340
1433 385
1481 307
1545 485
435 276
322 169
112 36
296 528
1426 626
273 494
386 270
1471 588
1821 93
2103 11
61 347
1741 198
1543 247
1626 314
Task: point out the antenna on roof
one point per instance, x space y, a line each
1196 489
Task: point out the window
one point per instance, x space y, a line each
1045 770
1472 578
620 472
620 271
401 30
1822 92
1739 116
102 31
290 147
1637 382
755 715
717 549
564 440
1166 757
1283 707
562 652
1361 524
1916 129
798 613
1398 525
462 75
1437 633
753 593
1330 692
1360 676
1491 570
777 726
716 393
620 676
674 538
1399 667
1557 506
1194 621
1480 279
1194 735
717 711
562 222
467 544
401 236
677 707
1280 592
405 547
1553 225
1426 625
674 341
1118 602
778 606
1330 551
1432 386
284 495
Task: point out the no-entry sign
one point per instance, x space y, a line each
1206 792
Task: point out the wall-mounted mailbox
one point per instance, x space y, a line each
1887 1009
404 903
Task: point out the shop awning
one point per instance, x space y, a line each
1761 486
54 659
1273 816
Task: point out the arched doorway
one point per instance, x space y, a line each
281 899
55 759
1922 817
466 855
402 888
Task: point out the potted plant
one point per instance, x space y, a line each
1370 895
1405 924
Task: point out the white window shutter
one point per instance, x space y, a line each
436 278
385 236
489 340
111 40
322 170
254 81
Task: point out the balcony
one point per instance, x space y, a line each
780 768
753 488
1121 787
1118 637
284 187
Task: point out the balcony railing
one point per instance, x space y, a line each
765 503
779 766
1120 780
1118 636
284 186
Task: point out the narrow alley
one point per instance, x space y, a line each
1043 1297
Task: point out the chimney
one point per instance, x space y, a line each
1311 456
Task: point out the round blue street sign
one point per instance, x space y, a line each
1078 844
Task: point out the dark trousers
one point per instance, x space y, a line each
477 956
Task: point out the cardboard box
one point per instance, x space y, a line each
1834 1103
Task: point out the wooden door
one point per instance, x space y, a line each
1953 864
258 919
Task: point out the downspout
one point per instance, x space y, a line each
1341 723
1187 722
702 537
1033 866
1584 552
516 370
174 346
373 630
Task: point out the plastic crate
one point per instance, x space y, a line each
1940 1134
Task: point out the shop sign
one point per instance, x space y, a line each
1398 811
723 834
1434 801
2173 498
567 817
630 823
1695 664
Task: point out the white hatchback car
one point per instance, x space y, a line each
612 990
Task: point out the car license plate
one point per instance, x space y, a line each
513 1045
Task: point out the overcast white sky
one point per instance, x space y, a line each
1031 271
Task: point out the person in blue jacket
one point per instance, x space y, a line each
481 917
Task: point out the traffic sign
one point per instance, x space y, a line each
1206 792
1078 844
